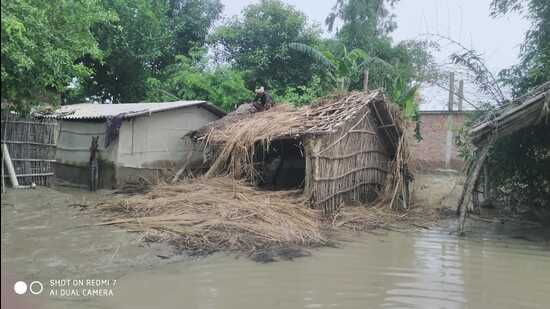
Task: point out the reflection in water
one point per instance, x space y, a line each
426 270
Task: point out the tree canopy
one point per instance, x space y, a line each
146 38
147 50
43 43
257 43
534 66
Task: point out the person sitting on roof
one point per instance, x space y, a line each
263 100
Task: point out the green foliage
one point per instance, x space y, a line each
534 66
190 79
363 22
302 95
146 38
344 71
519 167
42 43
257 43
366 25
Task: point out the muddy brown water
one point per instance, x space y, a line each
496 266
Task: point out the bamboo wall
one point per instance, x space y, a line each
351 165
31 145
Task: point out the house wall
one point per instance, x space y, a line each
75 136
145 147
73 154
437 150
156 141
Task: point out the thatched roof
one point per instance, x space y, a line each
529 110
324 117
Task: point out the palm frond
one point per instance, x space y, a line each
312 52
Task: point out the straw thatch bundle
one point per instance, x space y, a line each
239 138
220 213
237 135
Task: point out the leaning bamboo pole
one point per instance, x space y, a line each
6 159
469 185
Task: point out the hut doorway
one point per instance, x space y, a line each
281 165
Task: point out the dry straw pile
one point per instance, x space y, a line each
216 212
210 214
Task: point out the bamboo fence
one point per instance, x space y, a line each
31 144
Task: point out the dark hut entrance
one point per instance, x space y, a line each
281 165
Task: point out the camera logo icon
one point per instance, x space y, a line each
21 287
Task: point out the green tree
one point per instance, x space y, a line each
534 66
190 78
363 21
366 25
345 72
147 37
257 43
42 44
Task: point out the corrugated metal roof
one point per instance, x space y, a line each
102 111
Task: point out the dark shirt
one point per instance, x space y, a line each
263 102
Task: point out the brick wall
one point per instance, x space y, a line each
430 154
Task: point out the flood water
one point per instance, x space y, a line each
495 266
397 270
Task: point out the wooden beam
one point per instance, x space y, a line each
30 175
27 142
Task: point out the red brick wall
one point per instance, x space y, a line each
430 153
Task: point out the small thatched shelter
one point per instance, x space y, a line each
530 110
344 148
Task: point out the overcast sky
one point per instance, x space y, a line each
466 21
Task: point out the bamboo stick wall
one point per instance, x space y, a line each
31 144
351 165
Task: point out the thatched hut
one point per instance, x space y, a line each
344 148
530 110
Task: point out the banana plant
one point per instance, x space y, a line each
348 68
405 96
344 69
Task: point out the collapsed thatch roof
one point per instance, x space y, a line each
324 117
529 110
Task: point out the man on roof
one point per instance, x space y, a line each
263 100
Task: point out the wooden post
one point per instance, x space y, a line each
93 165
366 81
469 186
450 142
460 94
308 153
11 170
3 181
451 91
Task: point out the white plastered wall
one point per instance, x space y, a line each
74 141
155 141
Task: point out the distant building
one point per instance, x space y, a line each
440 123
143 139
437 150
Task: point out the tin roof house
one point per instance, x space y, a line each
134 140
